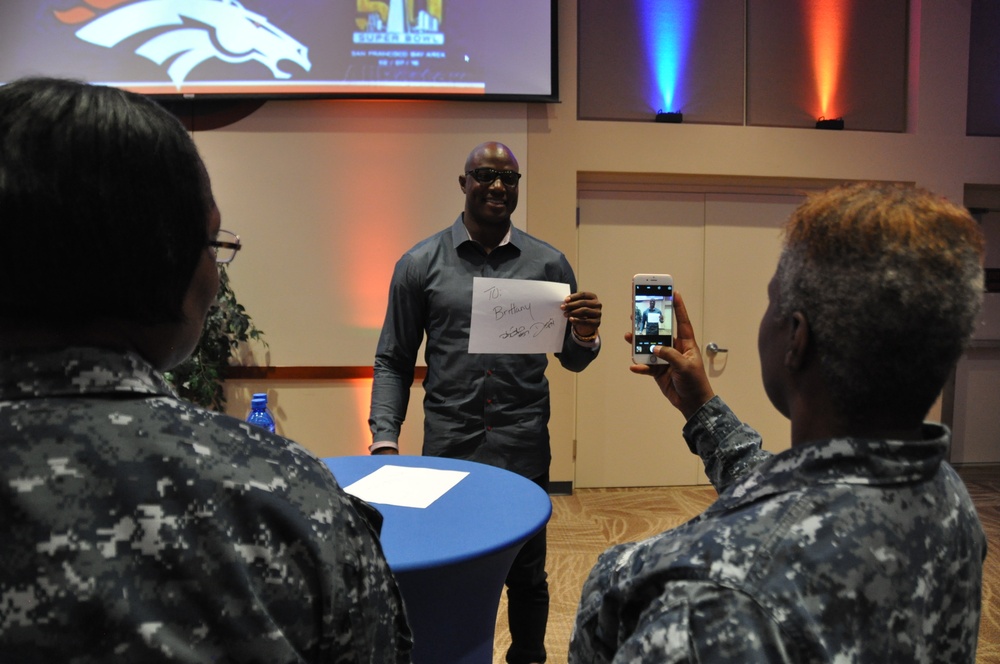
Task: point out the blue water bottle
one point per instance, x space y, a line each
259 414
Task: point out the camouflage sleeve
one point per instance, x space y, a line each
729 448
685 621
703 622
376 620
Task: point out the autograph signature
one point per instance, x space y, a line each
518 331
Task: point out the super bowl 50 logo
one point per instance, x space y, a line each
186 33
400 22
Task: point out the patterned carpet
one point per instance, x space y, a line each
586 523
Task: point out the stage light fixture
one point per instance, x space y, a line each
832 123
669 116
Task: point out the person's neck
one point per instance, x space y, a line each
111 334
40 336
487 235
814 422
814 415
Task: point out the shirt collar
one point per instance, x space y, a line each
460 234
845 461
77 371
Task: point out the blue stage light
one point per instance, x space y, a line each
667 27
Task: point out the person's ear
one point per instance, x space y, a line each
461 183
799 338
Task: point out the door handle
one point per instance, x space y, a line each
712 348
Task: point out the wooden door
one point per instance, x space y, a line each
626 432
742 244
721 249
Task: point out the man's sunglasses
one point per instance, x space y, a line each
489 176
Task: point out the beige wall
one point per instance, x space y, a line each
413 153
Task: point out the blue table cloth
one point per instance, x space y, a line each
451 558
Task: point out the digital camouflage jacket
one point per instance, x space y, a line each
136 527
840 550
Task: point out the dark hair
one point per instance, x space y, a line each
104 204
891 281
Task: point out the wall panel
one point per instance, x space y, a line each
629 69
830 58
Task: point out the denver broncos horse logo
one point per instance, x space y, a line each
207 29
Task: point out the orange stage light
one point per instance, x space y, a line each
827 22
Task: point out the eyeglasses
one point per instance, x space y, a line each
224 246
490 175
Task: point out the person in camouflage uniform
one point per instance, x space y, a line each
137 527
860 543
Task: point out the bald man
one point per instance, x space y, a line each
489 408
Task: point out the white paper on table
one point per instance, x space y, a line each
517 316
405 486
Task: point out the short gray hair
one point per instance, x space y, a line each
890 279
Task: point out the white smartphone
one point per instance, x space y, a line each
652 315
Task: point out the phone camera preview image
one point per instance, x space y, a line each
653 317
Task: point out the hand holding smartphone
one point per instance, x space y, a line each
653 315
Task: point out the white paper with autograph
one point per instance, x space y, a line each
517 316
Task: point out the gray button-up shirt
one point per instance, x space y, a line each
489 408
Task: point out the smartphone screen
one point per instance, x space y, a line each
654 316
